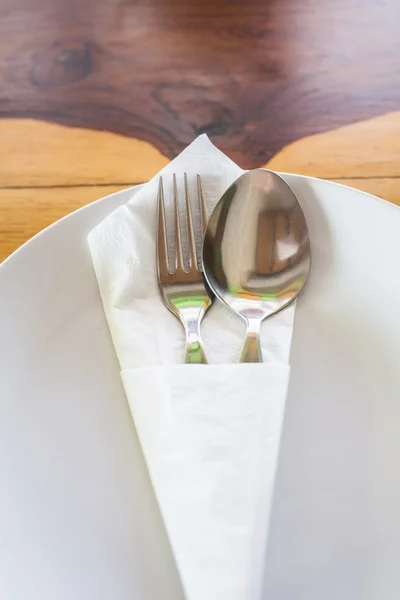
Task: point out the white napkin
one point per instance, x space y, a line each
209 433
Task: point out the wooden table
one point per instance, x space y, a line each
96 96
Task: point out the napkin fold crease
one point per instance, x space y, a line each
210 437
209 433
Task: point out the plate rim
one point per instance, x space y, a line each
25 246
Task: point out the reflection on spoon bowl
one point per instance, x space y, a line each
256 252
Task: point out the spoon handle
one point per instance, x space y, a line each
251 351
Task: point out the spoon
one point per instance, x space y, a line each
256 251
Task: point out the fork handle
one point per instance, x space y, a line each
194 353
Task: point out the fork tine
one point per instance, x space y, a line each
162 252
177 229
193 262
203 205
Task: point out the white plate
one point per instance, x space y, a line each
77 515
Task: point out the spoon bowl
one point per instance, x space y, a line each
256 251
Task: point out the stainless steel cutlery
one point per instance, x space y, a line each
180 277
256 252
256 256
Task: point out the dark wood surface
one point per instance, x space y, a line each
99 94
254 75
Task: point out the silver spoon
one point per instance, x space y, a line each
256 252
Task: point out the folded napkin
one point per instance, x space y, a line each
209 433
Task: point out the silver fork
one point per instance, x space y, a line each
183 290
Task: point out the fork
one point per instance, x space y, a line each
183 289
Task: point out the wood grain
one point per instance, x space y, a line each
255 77
99 95
367 149
24 212
33 153
42 180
